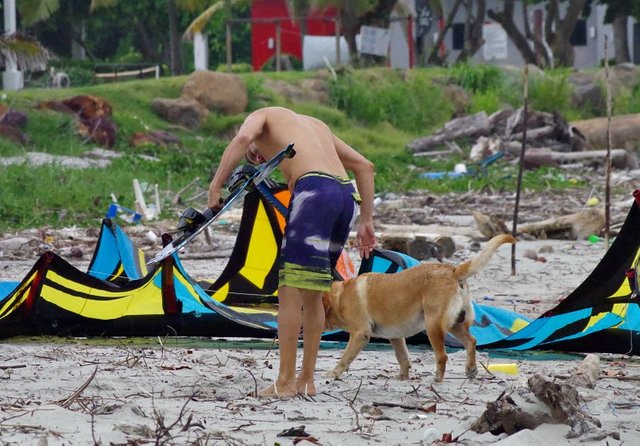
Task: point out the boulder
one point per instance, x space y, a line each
12 117
183 111
102 131
587 92
221 92
89 107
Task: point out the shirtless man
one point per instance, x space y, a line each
321 214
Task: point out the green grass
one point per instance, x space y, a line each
377 111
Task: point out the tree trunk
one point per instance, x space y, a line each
620 41
505 18
175 48
350 25
473 39
144 43
562 48
434 57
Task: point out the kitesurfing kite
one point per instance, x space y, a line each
119 295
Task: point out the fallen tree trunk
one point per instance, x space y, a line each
467 126
625 131
547 157
573 226
579 226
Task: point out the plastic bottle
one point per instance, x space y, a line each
509 369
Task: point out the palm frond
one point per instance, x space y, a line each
201 21
26 51
33 11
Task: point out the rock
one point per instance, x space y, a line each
624 76
14 243
222 92
586 92
306 90
420 246
184 112
89 107
11 117
153 138
100 130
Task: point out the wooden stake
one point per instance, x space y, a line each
607 201
525 118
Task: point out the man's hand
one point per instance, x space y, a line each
366 238
215 199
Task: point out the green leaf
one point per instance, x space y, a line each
33 11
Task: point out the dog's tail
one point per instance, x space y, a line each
475 265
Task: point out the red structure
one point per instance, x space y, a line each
265 17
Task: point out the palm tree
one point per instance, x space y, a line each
19 52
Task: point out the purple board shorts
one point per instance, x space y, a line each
322 211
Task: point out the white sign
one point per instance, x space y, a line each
495 41
374 40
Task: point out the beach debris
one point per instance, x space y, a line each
426 408
489 225
576 226
562 398
294 432
419 246
507 368
551 140
71 398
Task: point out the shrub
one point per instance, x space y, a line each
410 102
477 78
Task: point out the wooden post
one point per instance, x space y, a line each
278 44
410 40
229 55
607 205
525 119
338 32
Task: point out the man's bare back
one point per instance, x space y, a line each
316 147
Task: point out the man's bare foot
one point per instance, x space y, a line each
278 390
306 388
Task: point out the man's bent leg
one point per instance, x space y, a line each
312 326
289 324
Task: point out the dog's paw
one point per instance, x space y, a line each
334 374
472 373
403 376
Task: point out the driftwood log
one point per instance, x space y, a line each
620 158
562 399
576 226
625 131
471 126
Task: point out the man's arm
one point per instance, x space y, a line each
233 155
363 170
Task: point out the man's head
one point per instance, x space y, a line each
253 156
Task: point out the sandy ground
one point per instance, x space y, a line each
194 391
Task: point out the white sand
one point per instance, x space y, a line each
187 391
